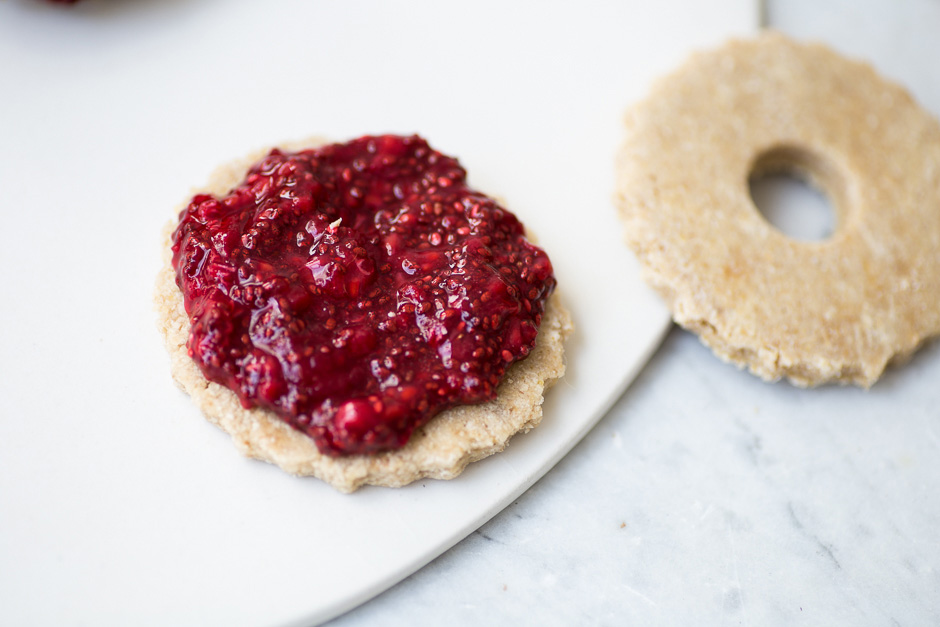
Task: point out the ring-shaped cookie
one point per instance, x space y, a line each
839 309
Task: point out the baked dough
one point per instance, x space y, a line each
834 310
441 449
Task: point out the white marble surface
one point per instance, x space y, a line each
707 497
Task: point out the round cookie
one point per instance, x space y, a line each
441 449
814 312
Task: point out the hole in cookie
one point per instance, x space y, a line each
785 185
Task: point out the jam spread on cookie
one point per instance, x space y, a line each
358 289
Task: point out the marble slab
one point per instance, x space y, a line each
707 497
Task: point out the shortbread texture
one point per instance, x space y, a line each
837 310
441 449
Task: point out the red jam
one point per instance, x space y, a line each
358 289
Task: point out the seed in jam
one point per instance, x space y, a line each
358 289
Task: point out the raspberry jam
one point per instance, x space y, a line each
358 289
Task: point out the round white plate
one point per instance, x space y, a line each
119 504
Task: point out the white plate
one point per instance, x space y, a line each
119 504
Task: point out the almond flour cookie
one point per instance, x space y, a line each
441 371
814 312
